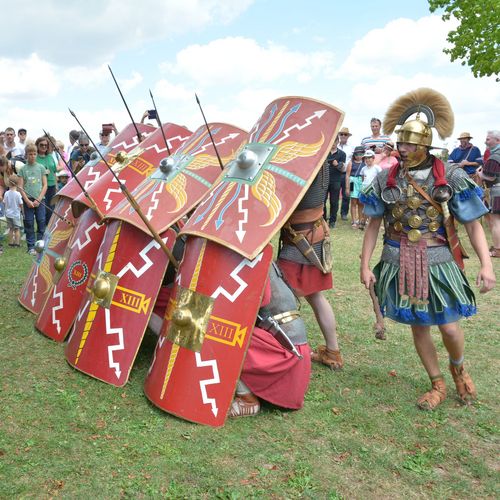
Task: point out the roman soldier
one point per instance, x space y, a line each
419 280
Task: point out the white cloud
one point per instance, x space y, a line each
83 77
239 60
400 43
128 85
91 32
29 78
167 90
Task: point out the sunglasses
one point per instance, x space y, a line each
343 134
43 145
84 145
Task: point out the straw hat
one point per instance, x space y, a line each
344 130
464 135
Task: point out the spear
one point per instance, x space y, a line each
139 137
49 208
159 123
93 205
209 133
132 201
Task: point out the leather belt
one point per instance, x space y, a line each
429 238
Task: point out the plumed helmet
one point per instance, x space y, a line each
423 101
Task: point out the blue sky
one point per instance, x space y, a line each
237 55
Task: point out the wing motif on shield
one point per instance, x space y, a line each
177 188
265 191
56 238
291 149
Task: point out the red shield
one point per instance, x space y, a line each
132 168
225 291
59 311
166 197
126 141
105 340
262 187
38 284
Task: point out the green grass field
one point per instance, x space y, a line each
360 435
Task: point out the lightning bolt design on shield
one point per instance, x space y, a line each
220 219
35 287
154 201
88 238
89 171
57 295
307 122
211 381
242 284
107 199
143 254
119 346
240 233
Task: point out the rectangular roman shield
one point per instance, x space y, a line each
120 297
207 329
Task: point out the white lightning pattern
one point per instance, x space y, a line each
88 239
147 261
155 201
222 141
203 383
170 144
240 233
286 134
107 199
57 296
234 274
112 348
90 171
35 287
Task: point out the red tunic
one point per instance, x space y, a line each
305 279
275 374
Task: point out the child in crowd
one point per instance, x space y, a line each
368 173
13 210
370 170
33 184
62 179
353 184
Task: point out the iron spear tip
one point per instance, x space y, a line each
197 100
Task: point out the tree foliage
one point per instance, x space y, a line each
476 39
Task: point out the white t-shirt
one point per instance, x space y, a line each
369 173
12 200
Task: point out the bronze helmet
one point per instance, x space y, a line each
438 114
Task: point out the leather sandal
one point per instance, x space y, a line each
329 357
433 398
466 389
244 405
495 252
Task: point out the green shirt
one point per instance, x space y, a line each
32 176
51 167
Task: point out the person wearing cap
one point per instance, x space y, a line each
62 179
466 155
344 135
419 280
354 182
387 159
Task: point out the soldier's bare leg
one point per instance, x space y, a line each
328 354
